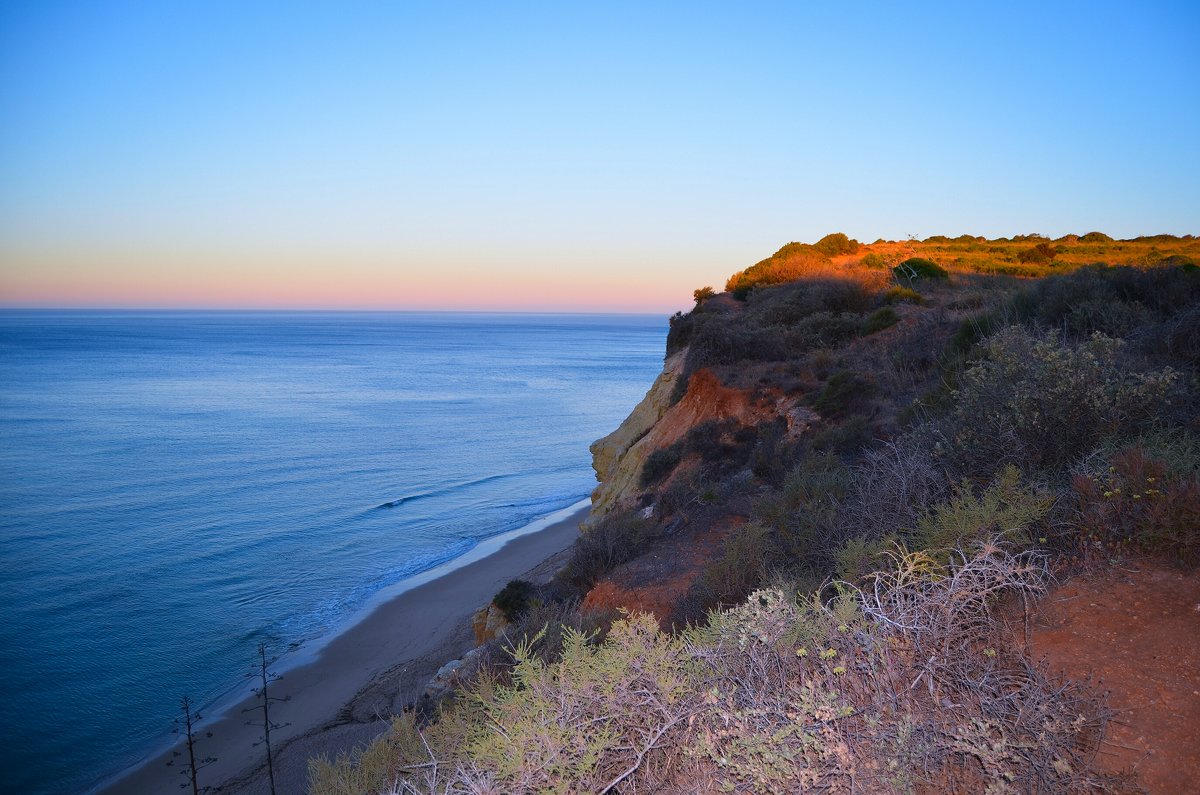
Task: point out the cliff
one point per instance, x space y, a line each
910 422
657 423
618 458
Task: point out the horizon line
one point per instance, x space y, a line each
312 310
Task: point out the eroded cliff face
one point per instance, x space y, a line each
618 457
655 423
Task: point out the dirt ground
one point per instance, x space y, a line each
1134 630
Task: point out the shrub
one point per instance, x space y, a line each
724 440
679 334
873 261
1176 340
703 294
513 599
1180 261
1041 254
584 723
903 295
1038 402
791 303
919 268
842 393
1095 237
771 454
972 330
802 514
659 464
1111 300
1140 501
774 695
861 557
1003 510
741 566
892 486
880 319
615 539
836 244
848 436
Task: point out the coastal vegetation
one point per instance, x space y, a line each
871 464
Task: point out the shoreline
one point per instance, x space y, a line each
343 690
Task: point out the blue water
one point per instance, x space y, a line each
177 487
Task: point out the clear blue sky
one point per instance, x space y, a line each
399 152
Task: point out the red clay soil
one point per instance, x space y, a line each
656 582
1134 628
706 399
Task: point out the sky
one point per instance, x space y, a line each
562 156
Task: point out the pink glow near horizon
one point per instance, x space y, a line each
325 288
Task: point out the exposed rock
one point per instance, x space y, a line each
800 418
452 674
611 455
488 623
619 457
606 452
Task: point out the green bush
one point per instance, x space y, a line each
847 437
789 304
679 333
1039 402
880 319
659 464
972 330
576 725
1114 301
1041 254
842 393
862 556
873 261
1095 237
919 268
903 295
513 599
1003 510
802 514
836 244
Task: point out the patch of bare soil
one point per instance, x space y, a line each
656 581
1134 630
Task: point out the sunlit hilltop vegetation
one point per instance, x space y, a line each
1024 255
860 459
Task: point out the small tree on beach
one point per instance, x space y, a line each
185 724
265 678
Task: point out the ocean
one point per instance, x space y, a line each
176 487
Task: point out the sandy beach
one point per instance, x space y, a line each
344 696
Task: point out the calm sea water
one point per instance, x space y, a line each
177 487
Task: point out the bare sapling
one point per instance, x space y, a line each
265 678
185 724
